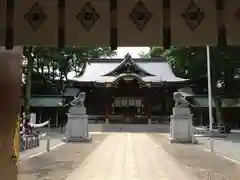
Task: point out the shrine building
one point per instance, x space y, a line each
128 90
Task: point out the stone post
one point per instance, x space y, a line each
106 120
149 120
10 92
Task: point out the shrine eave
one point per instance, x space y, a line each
97 71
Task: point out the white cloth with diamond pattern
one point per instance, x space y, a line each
203 32
43 14
232 17
95 31
148 34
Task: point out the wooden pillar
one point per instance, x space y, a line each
106 115
57 123
201 117
10 92
149 112
168 106
107 109
40 116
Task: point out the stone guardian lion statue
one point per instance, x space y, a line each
180 101
79 100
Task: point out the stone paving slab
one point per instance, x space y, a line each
43 143
229 146
201 164
56 165
128 156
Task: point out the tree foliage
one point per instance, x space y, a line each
191 62
53 65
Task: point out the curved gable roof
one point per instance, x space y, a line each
97 70
126 63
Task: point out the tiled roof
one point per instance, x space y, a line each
197 100
46 101
97 68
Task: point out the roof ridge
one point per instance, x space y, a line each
119 60
126 60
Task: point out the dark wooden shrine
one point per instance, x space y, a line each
132 90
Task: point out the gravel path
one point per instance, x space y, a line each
201 164
57 164
128 156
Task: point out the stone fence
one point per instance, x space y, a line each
29 141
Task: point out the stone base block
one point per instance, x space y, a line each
183 141
181 111
77 139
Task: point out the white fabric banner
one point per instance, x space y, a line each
33 118
36 22
232 18
193 22
87 22
140 23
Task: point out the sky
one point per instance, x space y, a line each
133 51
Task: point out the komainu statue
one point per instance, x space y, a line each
79 100
180 101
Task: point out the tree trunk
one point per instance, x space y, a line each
53 78
42 70
37 66
28 84
61 81
219 118
48 71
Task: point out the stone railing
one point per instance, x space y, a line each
203 131
29 141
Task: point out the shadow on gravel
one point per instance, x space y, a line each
201 164
57 164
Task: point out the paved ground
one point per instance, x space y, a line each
128 156
55 140
56 165
131 156
229 147
201 164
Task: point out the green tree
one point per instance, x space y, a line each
144 55
54 64
156 51
190 62
153 52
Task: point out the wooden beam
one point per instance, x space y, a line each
166 24
9 41
61 23
113 25
222 40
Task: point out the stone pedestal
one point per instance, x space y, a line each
149 121
181 128
77 126
106 121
